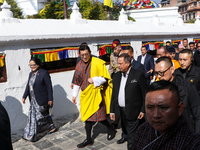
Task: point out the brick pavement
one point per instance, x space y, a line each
69 134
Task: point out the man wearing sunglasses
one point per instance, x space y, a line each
164 70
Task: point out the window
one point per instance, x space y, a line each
194 15
189 16
185 8
182 9
57 59
3 75
195 4
183 17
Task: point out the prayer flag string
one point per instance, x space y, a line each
56 54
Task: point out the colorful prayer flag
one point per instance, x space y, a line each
138 4
1 60
67 2
108 3
1 1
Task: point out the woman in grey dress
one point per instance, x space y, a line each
39 90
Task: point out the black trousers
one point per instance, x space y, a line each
88 128
128 127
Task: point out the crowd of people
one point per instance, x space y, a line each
156 97
164 115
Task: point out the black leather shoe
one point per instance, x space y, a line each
111 133
84 144
122 140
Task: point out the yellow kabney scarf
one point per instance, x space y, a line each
91 97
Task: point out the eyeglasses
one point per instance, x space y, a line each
33 65
162 73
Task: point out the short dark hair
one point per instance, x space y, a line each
177 43
126 57
185 39
130 48
84 47
83 43
144 47
36 60
116 40
186 51
164 47
192 43
168 42
175 46
162 85
166 59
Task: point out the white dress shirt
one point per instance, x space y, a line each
121 95
97 81
143 59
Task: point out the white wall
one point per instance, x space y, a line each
63 105
165 14
11 92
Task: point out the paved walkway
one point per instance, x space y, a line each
70 133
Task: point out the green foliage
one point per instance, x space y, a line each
191 21
89 9
37 16
97 12
85 6
52 10
115 11
130 18
17 12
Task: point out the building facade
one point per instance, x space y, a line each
170 3
189 10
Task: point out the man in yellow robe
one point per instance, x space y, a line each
93 78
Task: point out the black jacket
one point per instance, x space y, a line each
197 59
192 77
5 133
42 87
137 66
189 96
135 90
148 64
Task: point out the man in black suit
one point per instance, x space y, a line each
197 56
129 87
135 64
148 62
